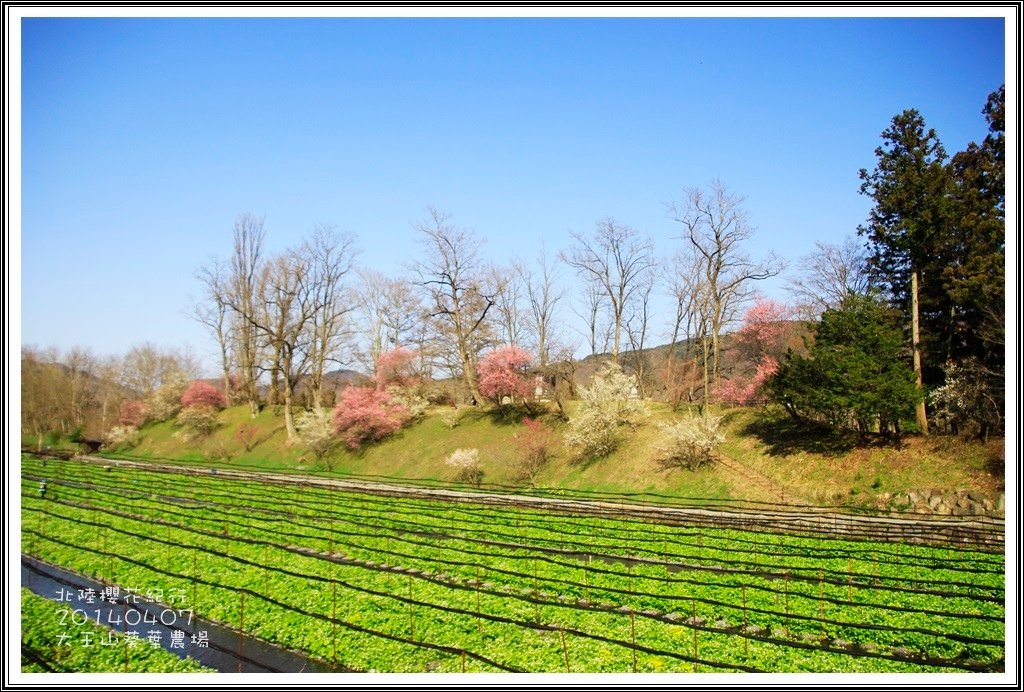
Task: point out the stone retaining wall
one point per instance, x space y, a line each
946 502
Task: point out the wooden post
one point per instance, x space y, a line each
479 621
241 626
693 621
463 661
195 574
412 627
565 649
746 641
334 623
851 581
787 603
632 629
821 601
266 572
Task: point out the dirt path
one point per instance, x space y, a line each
771 490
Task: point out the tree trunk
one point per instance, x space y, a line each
289 423
922 417
707 379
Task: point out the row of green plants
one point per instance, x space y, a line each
887 573
549 594
881 564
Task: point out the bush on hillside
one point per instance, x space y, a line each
316 432
365 414
605 405
200 393
196 422
689 443
466 463
534 444
165 402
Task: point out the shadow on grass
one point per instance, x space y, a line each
511 414
995 465
785 436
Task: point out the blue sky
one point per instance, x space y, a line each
142 139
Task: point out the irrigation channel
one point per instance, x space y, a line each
367 576
211 644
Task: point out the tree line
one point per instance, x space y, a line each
929 266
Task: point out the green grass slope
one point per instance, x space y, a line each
812 466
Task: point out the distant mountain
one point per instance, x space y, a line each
344 377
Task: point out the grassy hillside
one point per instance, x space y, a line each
808 466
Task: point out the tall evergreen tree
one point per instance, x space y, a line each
974 275
854 373
910 186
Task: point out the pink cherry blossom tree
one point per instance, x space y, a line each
760 341
396 367
132 414
365 414
502 373
202 394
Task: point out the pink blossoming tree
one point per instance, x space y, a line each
365 414
502 373
201 394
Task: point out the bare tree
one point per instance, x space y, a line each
246 272
689 294
829 274
331 256
390 312
614 259
506 284
109 393
213 311
590 308
80 367
284 320
637 324
43 403
450 273
716 226
146 367
542 294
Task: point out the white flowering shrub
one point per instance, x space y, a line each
591 434
165 402
121 436
316 431
466 463
605 405
195 422
969 402
611 391
689 443
450 418
409 398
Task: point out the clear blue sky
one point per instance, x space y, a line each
142 139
